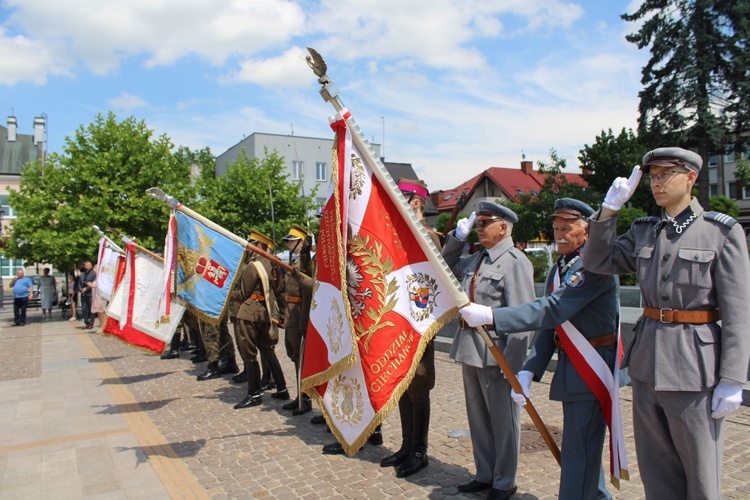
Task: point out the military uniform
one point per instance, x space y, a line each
696 263
219 349
499 277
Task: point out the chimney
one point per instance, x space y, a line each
527 167
12 127
38 130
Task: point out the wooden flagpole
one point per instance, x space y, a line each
330 94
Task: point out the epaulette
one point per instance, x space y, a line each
721 218
650 218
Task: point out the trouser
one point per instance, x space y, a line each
678 445
293 332
255 338
88 318
217 341
19 310
414 405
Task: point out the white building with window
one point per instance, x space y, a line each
721 181
308 159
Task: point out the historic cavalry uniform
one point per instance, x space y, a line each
256 293
496 277
692 271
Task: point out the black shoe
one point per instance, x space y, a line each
241 378
199 358
397 458
283 394
212 371
333 449
416 461
228 367
496 494
318 419
267 386
376 438
170 355
473 486
291 405
306 406
250 400
186 347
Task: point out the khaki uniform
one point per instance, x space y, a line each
697 262
293 300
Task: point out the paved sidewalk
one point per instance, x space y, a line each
87 416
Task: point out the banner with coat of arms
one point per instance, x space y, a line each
207 265
377 299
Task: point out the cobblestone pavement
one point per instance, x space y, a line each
264 452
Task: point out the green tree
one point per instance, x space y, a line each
100 179
239 200
613 156
691 95
724 205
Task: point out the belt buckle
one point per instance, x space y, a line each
661 315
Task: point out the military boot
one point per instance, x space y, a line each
228 366
212 371
417 459
253 387
398 458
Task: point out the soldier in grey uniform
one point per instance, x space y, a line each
590 302
687 370
499 275
253 326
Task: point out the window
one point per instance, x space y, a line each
8 267
732 190
298 168
320 171
713 190
746 192
8 211
713 161
729 157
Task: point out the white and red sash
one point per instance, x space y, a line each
603 384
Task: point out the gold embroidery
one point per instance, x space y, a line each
347 400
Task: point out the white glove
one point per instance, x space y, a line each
726 399
463 226
475 314
524 378
622 189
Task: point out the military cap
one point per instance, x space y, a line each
413 186
258 237
296 232
489 209
569 208
672 157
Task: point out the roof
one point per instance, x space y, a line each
15 155
405 170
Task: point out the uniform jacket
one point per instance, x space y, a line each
703 266
506 280
589 301
249 283
292 285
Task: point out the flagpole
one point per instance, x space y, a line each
109 241
329 92
173 203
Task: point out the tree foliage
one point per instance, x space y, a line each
724 205
695 84
99 179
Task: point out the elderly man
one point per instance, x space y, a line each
22 287
582 305
687 370
499 275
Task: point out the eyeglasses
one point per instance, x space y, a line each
482 223
664 176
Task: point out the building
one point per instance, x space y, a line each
16 150
721 181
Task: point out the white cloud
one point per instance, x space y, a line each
287 70
127 102
23 59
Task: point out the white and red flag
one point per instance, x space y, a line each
377 300
106 269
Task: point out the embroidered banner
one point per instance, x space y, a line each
106 270
377 300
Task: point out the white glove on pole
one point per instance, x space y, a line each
726 399
475 314
622 189
524 378
463 226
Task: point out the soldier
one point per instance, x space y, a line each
590 303
219 350
414 405
299 242
256 292
499 275
687 371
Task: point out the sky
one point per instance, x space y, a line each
451 86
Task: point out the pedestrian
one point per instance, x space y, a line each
582 306
74 287
87 280
22 287
414 404
48 293
687 371
499 275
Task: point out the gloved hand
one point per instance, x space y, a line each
622 189
306 245
524 378
475 314
726 399
463 226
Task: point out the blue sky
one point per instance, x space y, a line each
451 86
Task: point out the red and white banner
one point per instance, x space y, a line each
170 259
106 268
133 311
603 383
377 300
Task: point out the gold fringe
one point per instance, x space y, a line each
309 383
